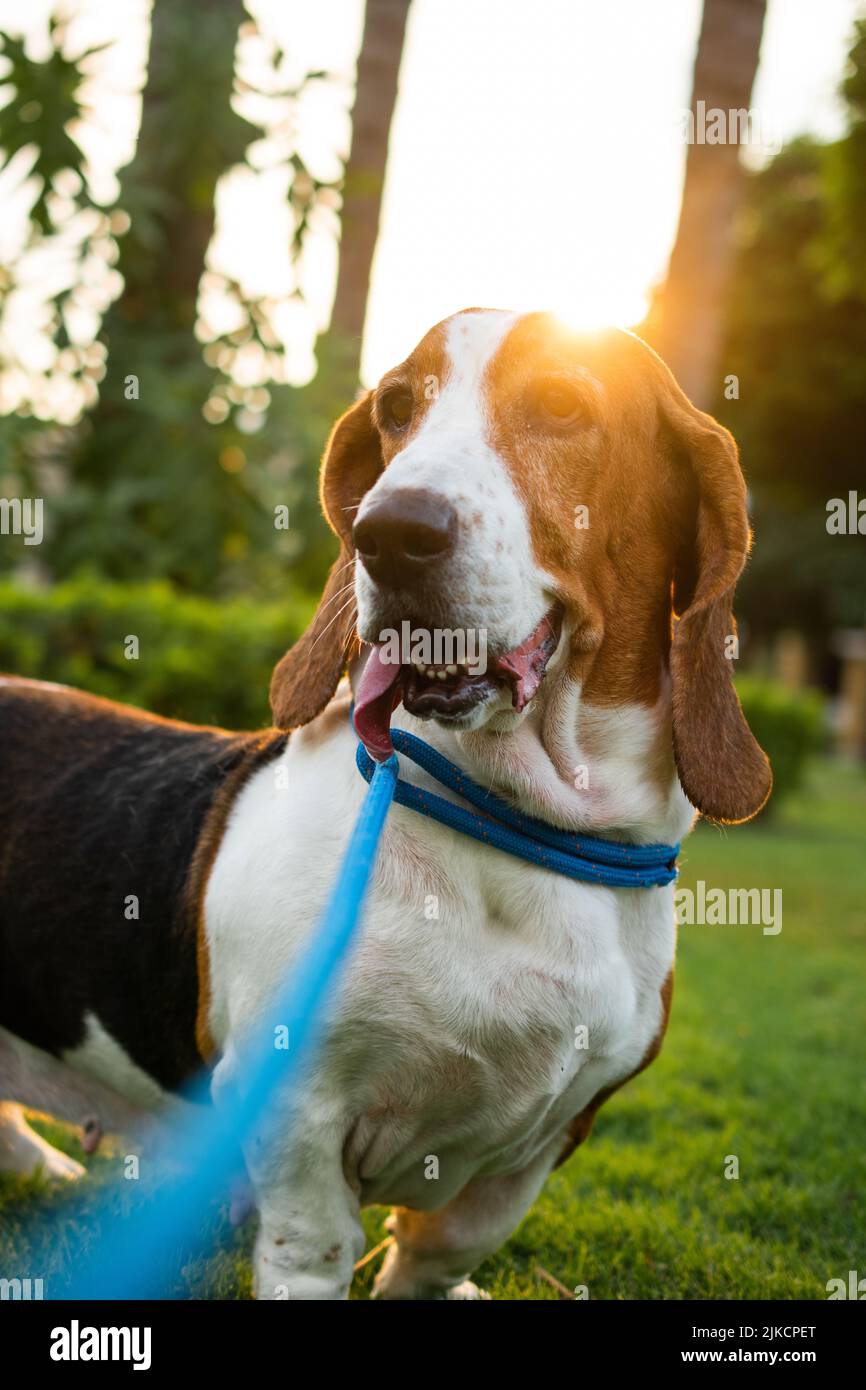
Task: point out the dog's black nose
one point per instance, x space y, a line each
400 537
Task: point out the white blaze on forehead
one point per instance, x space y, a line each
492 580
471 342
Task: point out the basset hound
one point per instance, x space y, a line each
557 496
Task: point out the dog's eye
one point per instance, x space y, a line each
398 409
559 402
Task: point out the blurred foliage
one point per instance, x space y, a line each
46 99
797 342
789 726
201 660
46 107
178 467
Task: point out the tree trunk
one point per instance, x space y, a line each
375 96
189 136
690 318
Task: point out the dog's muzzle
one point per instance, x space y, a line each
401 538
448 694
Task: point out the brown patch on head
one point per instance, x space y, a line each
613 572
666 514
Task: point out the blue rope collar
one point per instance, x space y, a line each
494 822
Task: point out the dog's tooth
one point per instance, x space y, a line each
452 670
430 673
443 675
419 666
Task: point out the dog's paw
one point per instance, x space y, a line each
399 1279
55 1166
465 1291
459 1293
26 1154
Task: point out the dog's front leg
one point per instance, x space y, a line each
309 1239
310 1233
434 1252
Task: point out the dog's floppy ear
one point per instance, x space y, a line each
723 771
307 676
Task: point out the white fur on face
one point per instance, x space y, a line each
492 581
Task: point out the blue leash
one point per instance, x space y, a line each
582 857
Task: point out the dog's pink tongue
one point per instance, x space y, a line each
525 665
376 698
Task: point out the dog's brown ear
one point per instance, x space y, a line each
307 676
723 771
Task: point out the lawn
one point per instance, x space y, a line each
764 1060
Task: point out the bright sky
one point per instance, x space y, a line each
535 160
535 157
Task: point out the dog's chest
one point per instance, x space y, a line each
490 1012
486 1003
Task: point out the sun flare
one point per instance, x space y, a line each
605 305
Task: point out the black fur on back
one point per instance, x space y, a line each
98 802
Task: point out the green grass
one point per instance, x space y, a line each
763 1060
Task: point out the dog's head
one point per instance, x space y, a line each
513 488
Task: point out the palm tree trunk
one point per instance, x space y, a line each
691 315
189 136
375 96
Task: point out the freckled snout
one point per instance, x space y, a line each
400 538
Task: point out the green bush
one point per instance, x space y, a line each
210 661
202 660
789 726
